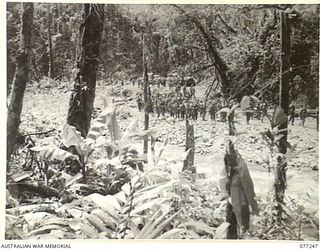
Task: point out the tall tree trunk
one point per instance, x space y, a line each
156 38
88 50
217 61
57 23
145 94
20 79
51 67
280 184
213 53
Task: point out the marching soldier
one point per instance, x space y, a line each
192 92
187 111
139 102
212 112
195 112
303 115
264 110
203 111
163 107
185 91
157 107
182 110
292 110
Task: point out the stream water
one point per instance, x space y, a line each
302 184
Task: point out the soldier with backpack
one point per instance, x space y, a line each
303 115
192 92
203 111
264 110
139 102
212 111
292 110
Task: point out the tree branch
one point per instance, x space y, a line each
208 91
203 68
38 133
194 47
228 27
217 61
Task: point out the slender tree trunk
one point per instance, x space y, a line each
145 95
189 162
88 51
20 79
51 67
280 182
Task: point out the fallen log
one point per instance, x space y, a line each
31 208
33 187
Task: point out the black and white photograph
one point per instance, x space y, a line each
161 121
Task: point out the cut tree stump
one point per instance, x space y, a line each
230 161
188 164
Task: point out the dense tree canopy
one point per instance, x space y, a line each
239 45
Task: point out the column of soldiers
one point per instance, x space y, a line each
178 106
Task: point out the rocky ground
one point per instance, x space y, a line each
45 108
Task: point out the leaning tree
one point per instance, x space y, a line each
21 77
88 51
